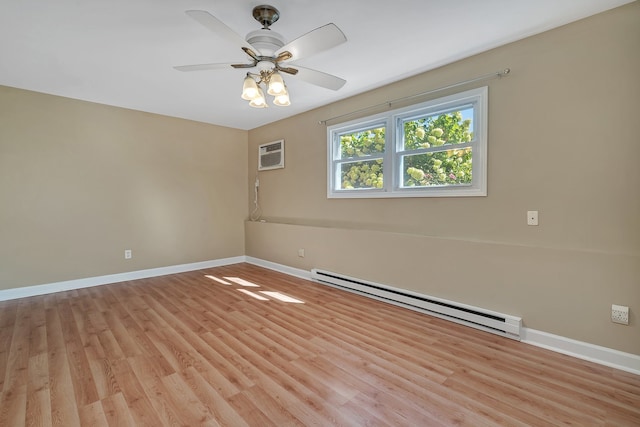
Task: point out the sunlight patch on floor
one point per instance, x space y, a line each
262 296
242 282
253 295
282 297
224 282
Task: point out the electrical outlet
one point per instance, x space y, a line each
620 314
128 254
532 217
301 253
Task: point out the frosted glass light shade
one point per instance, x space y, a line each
259 101
282 100
276 84
250 89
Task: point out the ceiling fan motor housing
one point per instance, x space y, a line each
266 41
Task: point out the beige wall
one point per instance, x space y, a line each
82 182
563 140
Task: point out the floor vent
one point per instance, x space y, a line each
497 323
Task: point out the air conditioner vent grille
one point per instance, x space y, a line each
271 155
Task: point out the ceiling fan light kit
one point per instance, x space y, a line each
266 50
252 91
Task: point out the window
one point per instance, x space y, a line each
433 149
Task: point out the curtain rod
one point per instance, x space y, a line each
497 74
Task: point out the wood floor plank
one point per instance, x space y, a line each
93 415
64 410
7 328
110 345
4 357
13 403
304 390
139 406
374 342
121 335
235 368
18 350
83 382
205 359
283 390
181 396
596 398
150 377
38 411
273 408
291 346
252 415
13 406
186 349
37 327
104 378
312 384
395 388
131 312
215 402
116 411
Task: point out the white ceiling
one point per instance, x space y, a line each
122 52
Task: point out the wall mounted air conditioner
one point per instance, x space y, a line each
271 155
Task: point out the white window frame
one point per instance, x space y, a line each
392 157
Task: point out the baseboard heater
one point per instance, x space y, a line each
489 321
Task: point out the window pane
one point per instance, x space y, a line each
362 143
455 127
451 167
361 175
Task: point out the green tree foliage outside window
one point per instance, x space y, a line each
439 153
362 173
447 159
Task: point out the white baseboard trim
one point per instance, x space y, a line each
291 271
583 350
30 291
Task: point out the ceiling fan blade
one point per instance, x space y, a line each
200 67
319 78
288 70
251 53
243 65
283 56
216 26
314 41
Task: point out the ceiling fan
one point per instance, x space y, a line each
268 52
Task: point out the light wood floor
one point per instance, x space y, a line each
187 350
